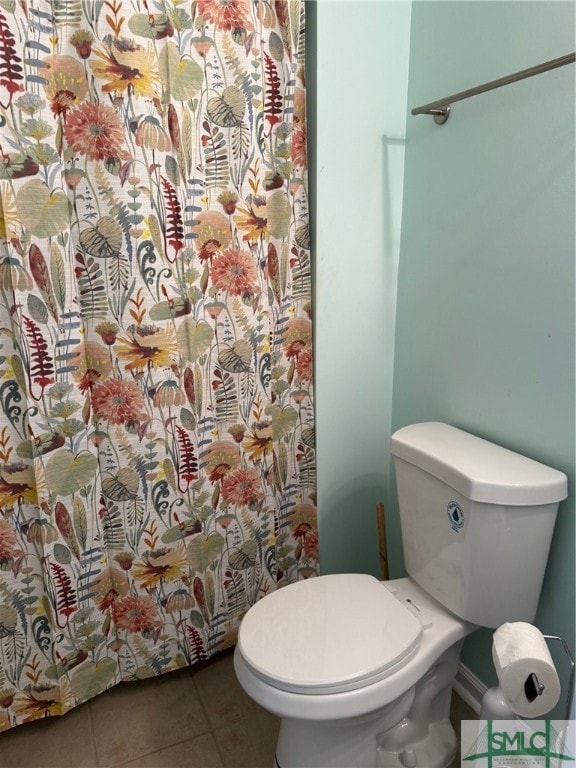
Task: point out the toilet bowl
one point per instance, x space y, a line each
361 674
361 671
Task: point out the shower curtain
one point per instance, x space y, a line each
157 463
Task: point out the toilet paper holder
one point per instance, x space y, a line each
495 707
570 690
533 687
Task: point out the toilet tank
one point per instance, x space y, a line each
477 521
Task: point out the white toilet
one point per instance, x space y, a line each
361 671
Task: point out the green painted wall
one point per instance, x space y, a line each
359 79
485 323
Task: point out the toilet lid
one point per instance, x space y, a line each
328 634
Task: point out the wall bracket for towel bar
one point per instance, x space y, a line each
440 109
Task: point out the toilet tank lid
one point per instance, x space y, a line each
476 468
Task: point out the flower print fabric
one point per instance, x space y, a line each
118 401
234 272
157 458
94 130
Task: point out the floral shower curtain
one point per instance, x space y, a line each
157 466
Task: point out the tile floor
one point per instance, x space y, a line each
193 718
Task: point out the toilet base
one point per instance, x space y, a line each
338 743
436 750
413 731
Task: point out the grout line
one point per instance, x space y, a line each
156 749
163 749
212 730
93 735
221 754
98 759
203 706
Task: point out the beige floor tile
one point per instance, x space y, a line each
186 719
134 719
250 742
200 752
221 694
54 742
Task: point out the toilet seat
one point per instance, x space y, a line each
328 634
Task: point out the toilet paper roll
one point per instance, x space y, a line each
520 652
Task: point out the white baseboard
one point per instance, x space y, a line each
469 687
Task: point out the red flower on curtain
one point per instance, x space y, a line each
8 542
234 272
226 14
242 487
94 130
135 613
118 401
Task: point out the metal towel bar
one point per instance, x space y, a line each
440 109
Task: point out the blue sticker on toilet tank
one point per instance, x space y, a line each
456 515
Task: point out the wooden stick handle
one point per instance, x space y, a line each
382 542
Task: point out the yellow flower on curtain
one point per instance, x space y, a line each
65 82
297 336
220 458
161 565
8 213
127 67
17 484
212 231
38 701
110 585
91 363
259 442
147 346
252 220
